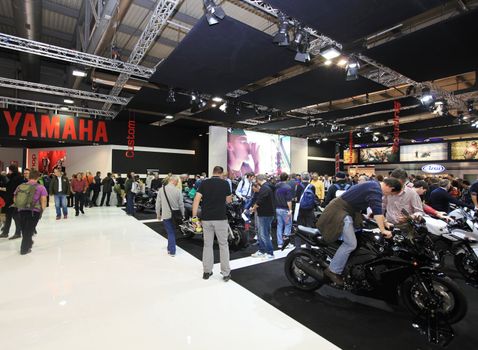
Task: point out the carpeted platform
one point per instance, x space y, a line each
349 321
144 215
194 245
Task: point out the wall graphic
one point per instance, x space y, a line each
249 151
355 157
464 150
378 155
49 160
424 152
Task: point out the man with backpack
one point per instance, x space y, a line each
338 188
305 194
30 201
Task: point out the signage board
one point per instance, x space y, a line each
433 168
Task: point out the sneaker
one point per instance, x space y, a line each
279 246
206 275
226 278
27 252
65 217
15 237
269 256
58 217
258 254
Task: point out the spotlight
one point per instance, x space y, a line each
194 97
217 99
79 73
169 117
427 98
328 62
214 13
375 138
352 68
376 133
67 100
257 111
282 36
64 108
318 141
334 127
214 105
342 62
171 96
238 110
202 103
330 52
269 116
223 107
359 134
469 105
325 139
367 128
386 137
302 54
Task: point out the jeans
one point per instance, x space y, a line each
60 205
28 220
284 224
220 228
79 201
264 236
348 245
169 226
130 203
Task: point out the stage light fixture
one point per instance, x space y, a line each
223 107
257 111
79 73
342 62
427 97
359 134
67 100
171 96
325 139
282 36
169 117
194 97
214 13
328 62
302 54
238 110
386 137
352 68
375 138
202 103
64 108
308 122
318 141
330 52
367 128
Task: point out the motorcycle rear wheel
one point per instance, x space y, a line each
453 303
298 278
467 266
238 238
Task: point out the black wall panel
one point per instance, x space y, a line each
321 167
325 150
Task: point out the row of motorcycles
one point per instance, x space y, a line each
238 230
407 269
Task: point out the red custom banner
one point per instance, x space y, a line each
396 126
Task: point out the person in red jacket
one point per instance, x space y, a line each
79 185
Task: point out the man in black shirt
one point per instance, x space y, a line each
264 206
215 193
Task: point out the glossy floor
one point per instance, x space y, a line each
104 281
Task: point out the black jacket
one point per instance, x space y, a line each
65 186
14 180
107 184
265 201
440 200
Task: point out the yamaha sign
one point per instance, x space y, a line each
433 168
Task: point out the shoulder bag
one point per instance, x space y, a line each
176 215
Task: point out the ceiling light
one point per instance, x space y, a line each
318 141
376 133
367 128
64 108
342 62
214 13
217 99
79 73
223 107
67 100
426 98
282 36
328 62
325 139
194 97
352 68
359 134
214 105
171 96
330 52
169 117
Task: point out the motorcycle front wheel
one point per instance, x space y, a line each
237 238
452 304
297 277
467 265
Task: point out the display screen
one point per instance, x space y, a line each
378 155
464 150
351 157
249 151
424 152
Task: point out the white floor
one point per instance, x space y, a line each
104 281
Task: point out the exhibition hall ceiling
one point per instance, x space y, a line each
261 85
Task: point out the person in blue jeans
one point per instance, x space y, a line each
283 203
60 188
128 187
264 206
170 199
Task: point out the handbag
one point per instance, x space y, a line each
176 215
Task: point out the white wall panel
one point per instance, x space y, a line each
217 148
298 154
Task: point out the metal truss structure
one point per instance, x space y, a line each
158 20
6 101
30 46
61 91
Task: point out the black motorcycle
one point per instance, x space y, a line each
238 236
401 269
145 201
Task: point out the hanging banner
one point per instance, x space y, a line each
337 157
131 136
38 126
351 146
396 126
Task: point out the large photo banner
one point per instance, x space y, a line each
424 152
249 151
378 155
464 150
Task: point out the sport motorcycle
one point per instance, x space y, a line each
238 235
145 201
402 269
458 238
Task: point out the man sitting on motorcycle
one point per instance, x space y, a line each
344 213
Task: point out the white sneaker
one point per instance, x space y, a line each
279 246
268 256
258 254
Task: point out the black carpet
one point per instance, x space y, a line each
143 215
349 321
194 245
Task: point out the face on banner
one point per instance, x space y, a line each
249 151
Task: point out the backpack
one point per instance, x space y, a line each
307 200
341 189
135 187
24 197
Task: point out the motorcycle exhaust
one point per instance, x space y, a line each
315 272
